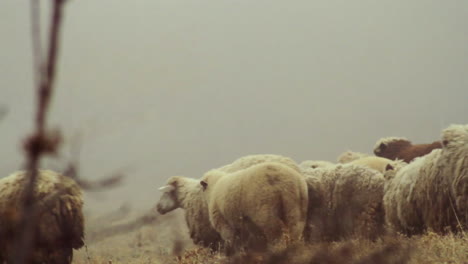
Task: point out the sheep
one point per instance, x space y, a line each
455 150
60 222
185 193
349 156
432 191
377 163
256 206
350 204
313 164
401 148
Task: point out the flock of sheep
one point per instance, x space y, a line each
260 199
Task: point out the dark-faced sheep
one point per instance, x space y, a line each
59 222
401 148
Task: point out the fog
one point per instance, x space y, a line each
163 88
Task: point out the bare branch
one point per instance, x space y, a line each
36 40
40 142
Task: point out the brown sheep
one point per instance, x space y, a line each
401 148
60 223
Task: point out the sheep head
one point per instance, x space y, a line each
169 200
390 147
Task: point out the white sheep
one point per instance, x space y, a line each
256 205
59 224
351 202
432 191
186 193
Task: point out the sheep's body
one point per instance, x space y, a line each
257 203
455 152
60 223
314 164
187 194
349 156
432 191
376 163
351 202
401 148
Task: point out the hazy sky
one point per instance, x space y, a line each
179 87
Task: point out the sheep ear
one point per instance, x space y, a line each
389 167
204 184
167 188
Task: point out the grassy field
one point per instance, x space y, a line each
167 241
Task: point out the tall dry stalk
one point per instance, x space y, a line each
41 141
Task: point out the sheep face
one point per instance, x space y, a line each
454 136
390 147
169 199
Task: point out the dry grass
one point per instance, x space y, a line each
167 242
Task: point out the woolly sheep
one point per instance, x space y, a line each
186 193
255 206
60 223
432 191
349 156
401 148
351 203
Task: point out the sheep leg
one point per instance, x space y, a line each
225 230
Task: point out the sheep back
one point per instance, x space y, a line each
251 160
349 156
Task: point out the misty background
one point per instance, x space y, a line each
163 88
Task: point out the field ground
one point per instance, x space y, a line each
167 241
